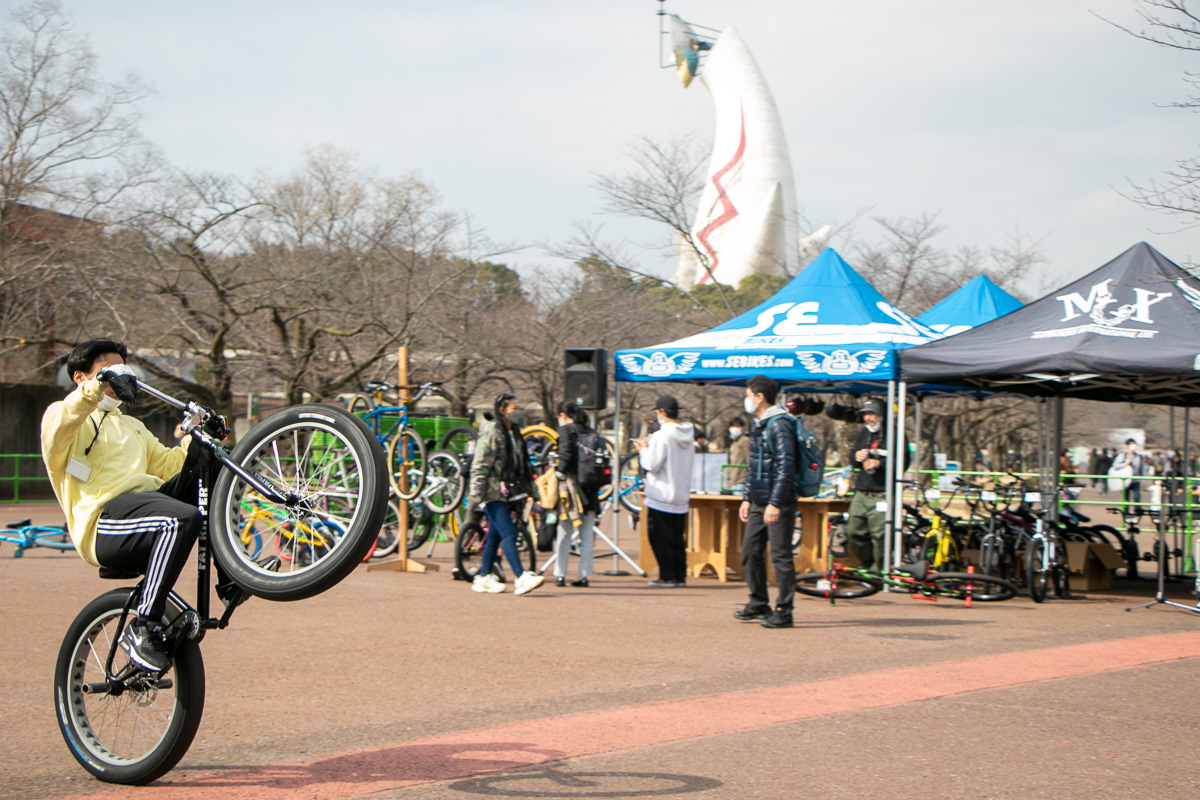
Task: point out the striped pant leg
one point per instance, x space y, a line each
151 531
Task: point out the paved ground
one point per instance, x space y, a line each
400 685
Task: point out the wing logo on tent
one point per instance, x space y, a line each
841 362
1106 321
1190 294
658 364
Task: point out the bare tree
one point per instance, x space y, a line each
1171 24
68 140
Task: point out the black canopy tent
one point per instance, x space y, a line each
1129 332
1126 332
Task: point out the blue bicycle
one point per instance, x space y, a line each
406 452
26 536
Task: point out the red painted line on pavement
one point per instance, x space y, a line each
505 747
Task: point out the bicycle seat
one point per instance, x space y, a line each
25 523
918 570
121 573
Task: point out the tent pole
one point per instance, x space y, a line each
898 475
889 471
616 504
1055 462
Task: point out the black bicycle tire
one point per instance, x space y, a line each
994 556
410 488
71 704
1036 580
847 588
627 499
468 546
389 532
360 404
342 464
437 464
447 442
957 585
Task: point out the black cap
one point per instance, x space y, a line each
872 406
669 405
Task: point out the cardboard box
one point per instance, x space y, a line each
1092 565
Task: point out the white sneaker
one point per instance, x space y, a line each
528 582
487 584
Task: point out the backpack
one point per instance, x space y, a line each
594 464
810 460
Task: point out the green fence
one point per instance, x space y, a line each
27 469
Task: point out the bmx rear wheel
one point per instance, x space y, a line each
139 732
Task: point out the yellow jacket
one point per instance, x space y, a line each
124 458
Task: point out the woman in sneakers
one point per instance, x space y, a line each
499 472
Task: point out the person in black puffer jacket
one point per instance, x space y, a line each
769 506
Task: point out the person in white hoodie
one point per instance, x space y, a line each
666 455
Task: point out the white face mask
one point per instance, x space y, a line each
735 433
749 405
108 403
874 428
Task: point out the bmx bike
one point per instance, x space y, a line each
315 467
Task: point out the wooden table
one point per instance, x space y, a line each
715 536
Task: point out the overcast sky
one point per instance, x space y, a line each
1029 113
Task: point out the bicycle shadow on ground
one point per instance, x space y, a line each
888 622
369 771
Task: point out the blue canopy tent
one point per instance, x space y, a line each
827 326
828 329
979 301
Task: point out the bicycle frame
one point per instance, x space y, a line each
195 416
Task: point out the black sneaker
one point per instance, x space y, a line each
560 581
662 584
751 613
581 583
145 647
778 619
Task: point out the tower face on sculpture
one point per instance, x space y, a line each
746 222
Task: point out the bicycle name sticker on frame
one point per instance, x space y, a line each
1033 497
987 497
933 494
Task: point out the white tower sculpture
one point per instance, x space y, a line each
746 222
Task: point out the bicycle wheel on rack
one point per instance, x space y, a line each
540 442
135 734
459 440
607 489
1037 574
629 483
406 463
994 557
844 587
961 585
360 404
331 466
445 482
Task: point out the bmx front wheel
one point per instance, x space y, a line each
331 468
140 731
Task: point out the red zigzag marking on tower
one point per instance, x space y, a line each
730 211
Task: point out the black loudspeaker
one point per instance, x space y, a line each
586 376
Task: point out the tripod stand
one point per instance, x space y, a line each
616 551
1160 596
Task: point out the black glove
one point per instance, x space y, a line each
123 384
217 427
